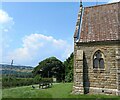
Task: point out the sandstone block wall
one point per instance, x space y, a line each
88 80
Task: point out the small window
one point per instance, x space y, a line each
98 60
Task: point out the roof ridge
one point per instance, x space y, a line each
102 4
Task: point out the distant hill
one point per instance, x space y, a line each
15 66
16 70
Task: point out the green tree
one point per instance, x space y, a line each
37 78
69 68
50 67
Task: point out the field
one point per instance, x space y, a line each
58 90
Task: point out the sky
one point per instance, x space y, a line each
33 31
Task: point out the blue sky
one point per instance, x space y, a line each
33 31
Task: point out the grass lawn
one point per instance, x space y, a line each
60 90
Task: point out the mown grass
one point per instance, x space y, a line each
60 90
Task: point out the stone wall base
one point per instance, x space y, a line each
94 90
78 90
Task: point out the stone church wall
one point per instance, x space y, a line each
89 80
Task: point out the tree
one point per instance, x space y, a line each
50 67
37 79
69 68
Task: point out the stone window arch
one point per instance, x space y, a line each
98 60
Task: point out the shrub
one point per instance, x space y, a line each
46 80
13 81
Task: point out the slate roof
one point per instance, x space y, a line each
101 23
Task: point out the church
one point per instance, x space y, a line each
97 50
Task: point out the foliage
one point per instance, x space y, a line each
13 76
69 68
37 79
50 67
46 80
58 90
17 74
8 82
12 82
45 71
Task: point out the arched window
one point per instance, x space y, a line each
98 60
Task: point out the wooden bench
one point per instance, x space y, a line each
44 85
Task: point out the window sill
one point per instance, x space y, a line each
98 69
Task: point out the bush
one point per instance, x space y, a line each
8 82
46 80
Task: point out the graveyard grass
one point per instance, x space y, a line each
58 90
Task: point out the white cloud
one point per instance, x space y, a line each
5 21
37 47
111 1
